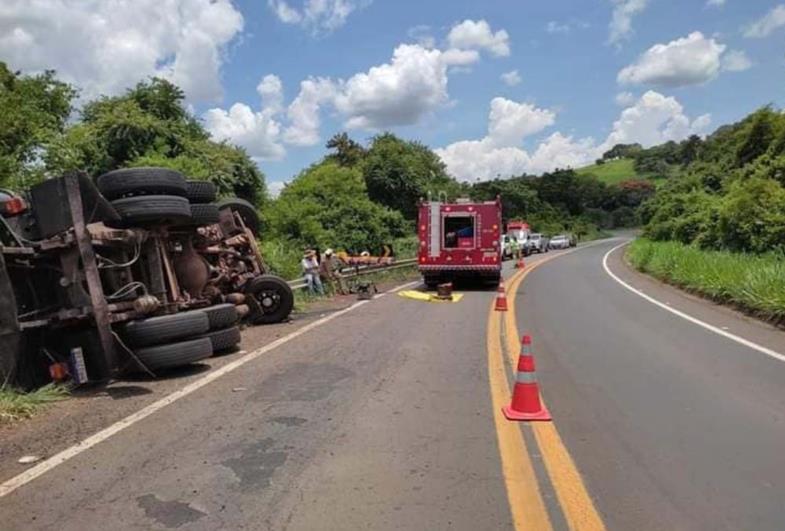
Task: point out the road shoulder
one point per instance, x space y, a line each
717 315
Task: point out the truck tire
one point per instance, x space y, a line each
224 340
274 296
175 354
221 316
165 328
203 214
200 191
141 181
246 210
153 210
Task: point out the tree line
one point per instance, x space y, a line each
357 197
724 192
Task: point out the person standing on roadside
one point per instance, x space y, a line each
330 272
310 267
515 248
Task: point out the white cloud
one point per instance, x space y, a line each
560 151
715 3
620 27
258 132
401 92
275 188
767 24
511 78
652 119
317 16
456 57
107 46
557 27
270 89
686 61
624 99
285 12
480 160
509 122
736 61
303 112
422 35
477 35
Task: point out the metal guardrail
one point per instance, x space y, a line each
356 271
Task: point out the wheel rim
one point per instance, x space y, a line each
269 300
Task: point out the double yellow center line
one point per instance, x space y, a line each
523 490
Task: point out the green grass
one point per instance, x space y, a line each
617 171
754 283
16 405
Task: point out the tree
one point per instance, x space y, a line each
398 173
759 137
33 115
327 205
347 152
150 126
621 151
689 149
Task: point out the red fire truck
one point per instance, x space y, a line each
460 239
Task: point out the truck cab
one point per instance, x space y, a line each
460 240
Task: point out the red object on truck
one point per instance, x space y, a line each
460 239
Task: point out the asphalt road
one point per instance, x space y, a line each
672 426
385 418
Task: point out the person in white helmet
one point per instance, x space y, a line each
329 268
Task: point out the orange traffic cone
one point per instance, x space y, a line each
520 264
526 404
501 298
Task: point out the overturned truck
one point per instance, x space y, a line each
139 270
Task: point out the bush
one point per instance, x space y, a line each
755 283
752 216
327 206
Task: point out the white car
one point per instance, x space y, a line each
559 242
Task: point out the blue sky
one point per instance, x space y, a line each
589 73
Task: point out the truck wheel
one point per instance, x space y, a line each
200 191
274 296
430 282
224 340
203 214
221 316
246 210
153 210
175 354
165 328
141 181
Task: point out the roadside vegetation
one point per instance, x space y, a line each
16 405
754 283
717 224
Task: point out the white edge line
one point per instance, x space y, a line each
43 467
733 337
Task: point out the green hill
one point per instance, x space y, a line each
612 172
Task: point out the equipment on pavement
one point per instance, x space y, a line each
526 403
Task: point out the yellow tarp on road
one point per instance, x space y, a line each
428 297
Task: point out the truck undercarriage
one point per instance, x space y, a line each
131 274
